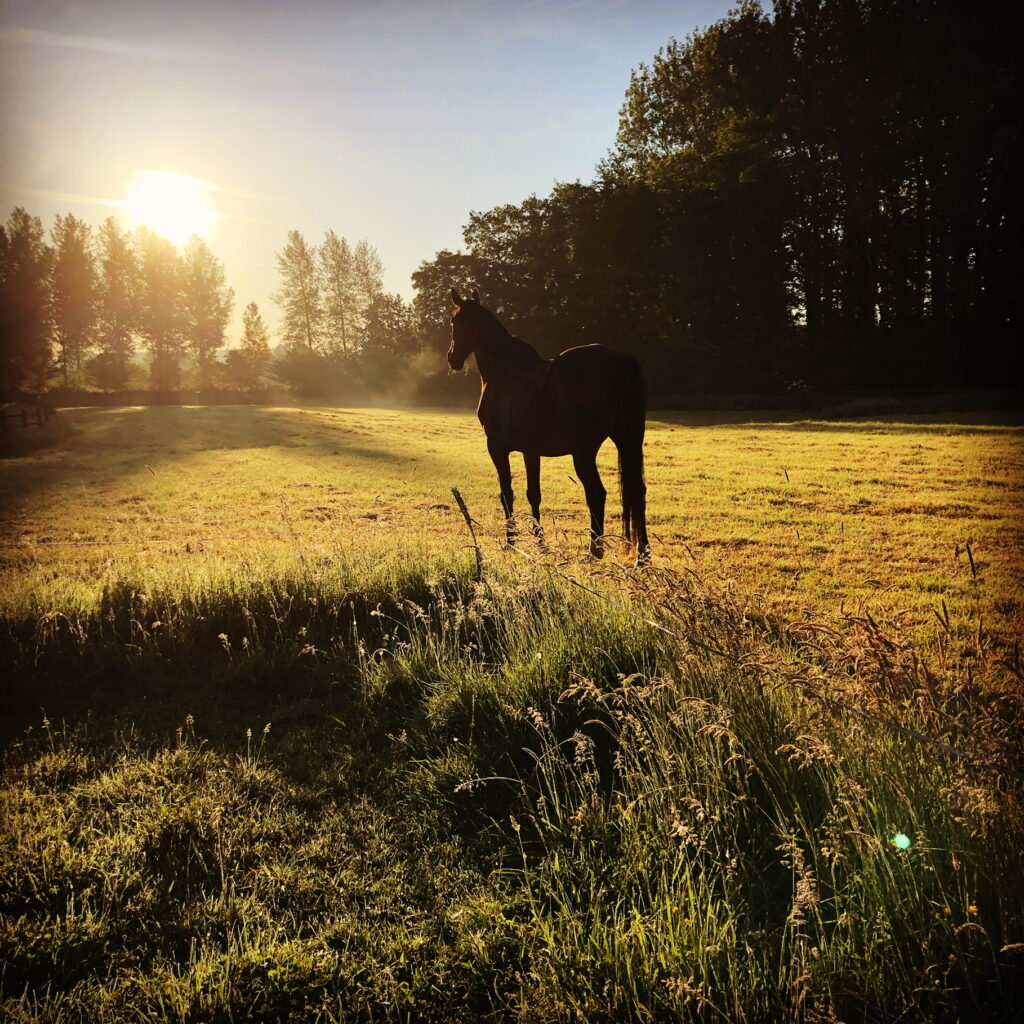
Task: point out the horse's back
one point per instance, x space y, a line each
569 404
597 377
583 357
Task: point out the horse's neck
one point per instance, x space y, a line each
504 359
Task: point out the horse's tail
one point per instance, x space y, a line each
628 435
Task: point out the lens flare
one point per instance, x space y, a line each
901 841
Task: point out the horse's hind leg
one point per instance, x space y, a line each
532 463
586 469
499 456
634 491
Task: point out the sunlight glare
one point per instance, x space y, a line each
173 205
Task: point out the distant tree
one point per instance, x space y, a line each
237 370
25 325
118 306
207 302
351 279
314 375
337 270
369 274
300 295
255 347
74 293
389 341
432 304
160 308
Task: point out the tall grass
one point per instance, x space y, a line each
512 798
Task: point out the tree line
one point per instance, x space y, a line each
110 308
343 334
78 304
821 195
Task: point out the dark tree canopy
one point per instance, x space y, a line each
825 193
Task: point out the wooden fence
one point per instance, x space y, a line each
24 417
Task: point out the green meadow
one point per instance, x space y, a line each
276 749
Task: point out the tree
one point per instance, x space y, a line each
207 302
824 192
340 290
880 139
351 279
368 272
25 326
118 306
432 304
696 135
389 342
237 370
300 295
255 346
160 308
74 292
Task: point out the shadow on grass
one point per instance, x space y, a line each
113 442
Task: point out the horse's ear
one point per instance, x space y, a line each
476 295
456 298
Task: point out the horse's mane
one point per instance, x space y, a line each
506 344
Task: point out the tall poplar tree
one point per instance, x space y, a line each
118 305
352 279
369 271
207 301
74 293
300 296
160 309
338 281
255 343
25 264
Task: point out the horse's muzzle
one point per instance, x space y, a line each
455 361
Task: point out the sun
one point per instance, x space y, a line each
173 205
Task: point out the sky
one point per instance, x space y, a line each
386 120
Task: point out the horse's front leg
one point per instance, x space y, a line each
532 463
499 456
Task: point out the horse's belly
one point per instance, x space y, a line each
541 437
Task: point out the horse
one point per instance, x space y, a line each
568 405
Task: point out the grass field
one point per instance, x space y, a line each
565 791
826 516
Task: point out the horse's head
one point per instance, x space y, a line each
464 328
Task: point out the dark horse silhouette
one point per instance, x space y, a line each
567 405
